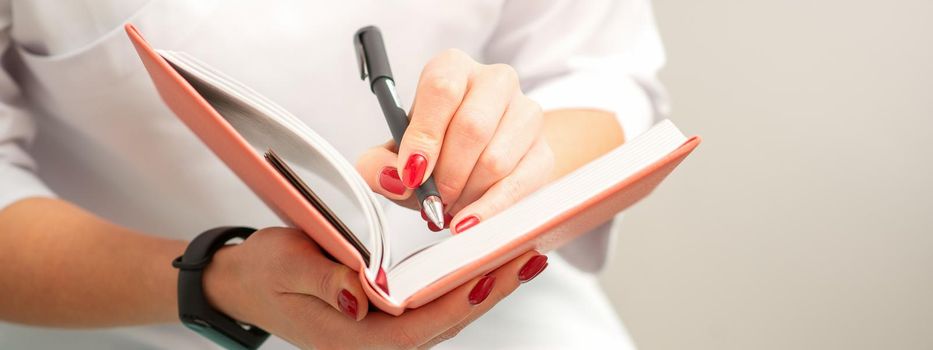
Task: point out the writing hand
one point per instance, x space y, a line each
473 128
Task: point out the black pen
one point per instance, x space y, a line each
374 63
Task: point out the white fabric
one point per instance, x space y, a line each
78 112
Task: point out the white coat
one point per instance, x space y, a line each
80 120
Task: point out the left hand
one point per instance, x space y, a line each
280 280
473 128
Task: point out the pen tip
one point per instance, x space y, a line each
434 210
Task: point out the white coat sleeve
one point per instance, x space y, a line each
17 130
600 54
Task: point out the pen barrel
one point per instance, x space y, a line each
391 108
428 188
373 59
398 122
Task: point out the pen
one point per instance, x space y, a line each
374 63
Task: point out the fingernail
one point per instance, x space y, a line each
433 227
424 216
466 223
414 170
381 281
389 180
347 303
482 290
532 268
447 219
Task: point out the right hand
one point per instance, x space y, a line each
476 132
279 280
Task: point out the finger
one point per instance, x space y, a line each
471 128
377 167
508 278
440 91
311 273
532 171
417 327
517 131
308 322
431 226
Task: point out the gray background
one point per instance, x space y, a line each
805 219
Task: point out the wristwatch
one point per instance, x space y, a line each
194 310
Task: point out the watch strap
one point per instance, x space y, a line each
193 308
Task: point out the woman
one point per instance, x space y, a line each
102 187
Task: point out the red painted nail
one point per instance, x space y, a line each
466 223
532 268
381 281
424 216
433 227
389 180
347 303
447 219
414 170
482 290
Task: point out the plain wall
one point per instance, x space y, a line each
805 219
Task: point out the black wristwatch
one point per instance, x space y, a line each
194 310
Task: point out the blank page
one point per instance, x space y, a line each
563 195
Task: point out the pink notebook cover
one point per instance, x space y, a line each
278 194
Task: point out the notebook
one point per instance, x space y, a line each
310 186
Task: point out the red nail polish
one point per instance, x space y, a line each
414 170
447 219
532 268
433 227
424 216
381 281
482 290
347 303
389 180
466 223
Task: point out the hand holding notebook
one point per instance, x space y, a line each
311 187
287 301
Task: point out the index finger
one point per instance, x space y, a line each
440 91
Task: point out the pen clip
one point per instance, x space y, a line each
371 55
360 54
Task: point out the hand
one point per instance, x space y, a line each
473 128
280 281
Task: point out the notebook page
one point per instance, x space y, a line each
266 125
562 195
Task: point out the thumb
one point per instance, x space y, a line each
331 282
377 166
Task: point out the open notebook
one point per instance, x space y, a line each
312 187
